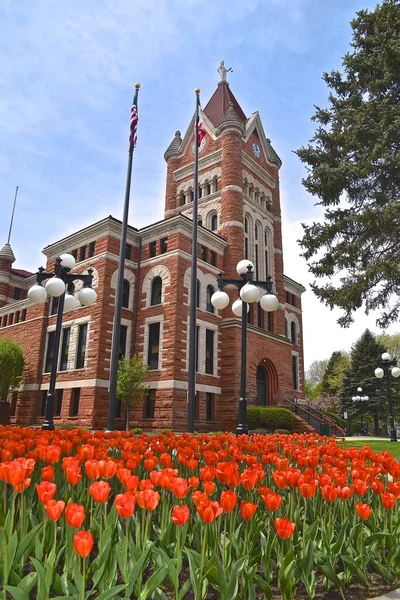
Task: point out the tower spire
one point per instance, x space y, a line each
12 215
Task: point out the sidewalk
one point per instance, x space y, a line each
366 438
395 595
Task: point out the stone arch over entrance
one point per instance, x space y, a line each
267 367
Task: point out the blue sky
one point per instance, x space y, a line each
67 71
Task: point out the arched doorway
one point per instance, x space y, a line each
262 387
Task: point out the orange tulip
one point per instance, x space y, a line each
284 528
364 510
21 487
83 543
73 475
54 509
388 500
74 514
92 468
46 491
193 482
47 473
209 510
228 501
247 510
329 493
360 487
148 499
272 501
209 487
180 514
248 479
307 490
179 487
125 504
100 490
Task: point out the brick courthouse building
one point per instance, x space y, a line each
239 217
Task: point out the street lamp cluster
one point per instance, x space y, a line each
249 294
357 399
388 367
60 284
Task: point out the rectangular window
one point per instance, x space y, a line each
213 258
204 253
82 253
59 397
11 319
92 249
266 264
74 254
293 300
153 353
128 252
164 245
17 316
1 321
17 293
152 249
197 347
197 407
23 316
209 406
123 332
43 403
209 351
287 296
246 248
81 349
257 265
50 351
5 320
54 305
270 322
150 404
66 334
295 372
75 399
260 317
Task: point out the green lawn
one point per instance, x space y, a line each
377 446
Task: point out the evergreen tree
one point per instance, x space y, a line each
365 358
353 164
334 373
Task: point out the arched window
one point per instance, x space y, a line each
293 332
262 387
257 250
215 184
286 329
214 223
156 289
200 192
246 237
266 252
125 293
198 294
210 291
208 189
182 199
200 222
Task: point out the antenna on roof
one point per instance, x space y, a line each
12 215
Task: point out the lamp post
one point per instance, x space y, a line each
357 399
248 294
60 284
388 366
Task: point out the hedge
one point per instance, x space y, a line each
270 418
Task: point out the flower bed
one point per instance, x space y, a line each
117 516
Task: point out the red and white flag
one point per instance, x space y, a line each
133 125
201 132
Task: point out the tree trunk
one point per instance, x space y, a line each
127 411
376 422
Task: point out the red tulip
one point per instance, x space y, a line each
46 491
125 504
180 514
148 499
284 528
74 514
54 509
228 501
364 510
388 500
179 487
83 543
247 510
100 490
47 473
272 501
209 510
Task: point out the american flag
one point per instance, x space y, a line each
201 132
134 122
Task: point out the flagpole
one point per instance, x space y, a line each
12 215
120 281
193 281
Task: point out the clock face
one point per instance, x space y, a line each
256 150
202 144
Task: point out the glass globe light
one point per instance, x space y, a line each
364 398
67 261
269 302
237 308
87 296
220 299
396 372
249 293
37 294
386 356
359 389
55 287
241 267
69 302
379 373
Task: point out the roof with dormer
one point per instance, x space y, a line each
219 102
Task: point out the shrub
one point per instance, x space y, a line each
285 431
166 430
137 430
270 418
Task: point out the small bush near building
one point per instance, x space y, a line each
270 418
